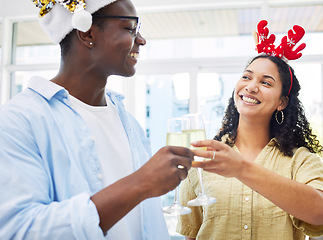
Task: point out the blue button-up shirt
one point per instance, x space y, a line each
49 168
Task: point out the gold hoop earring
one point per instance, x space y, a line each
282 117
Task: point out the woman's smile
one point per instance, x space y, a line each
249 99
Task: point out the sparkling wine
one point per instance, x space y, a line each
196 135
178 139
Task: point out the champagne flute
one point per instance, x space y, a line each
195 128
176 137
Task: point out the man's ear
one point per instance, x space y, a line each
283 104
85 37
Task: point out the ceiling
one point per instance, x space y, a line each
229 22
169 19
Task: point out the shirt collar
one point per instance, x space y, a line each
272 142
112 94
47 88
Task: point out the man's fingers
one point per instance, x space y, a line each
182 173
180 167
182 151
183 163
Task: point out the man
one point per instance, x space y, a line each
73 161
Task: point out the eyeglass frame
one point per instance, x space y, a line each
121 17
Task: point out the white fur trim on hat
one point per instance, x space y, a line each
59 22
82 20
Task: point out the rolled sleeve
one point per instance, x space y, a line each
308 169
85 223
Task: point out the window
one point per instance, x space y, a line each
310 77
34 49
167 95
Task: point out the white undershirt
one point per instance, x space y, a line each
115 159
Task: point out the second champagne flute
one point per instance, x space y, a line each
176 137
194 126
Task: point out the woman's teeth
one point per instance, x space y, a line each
249 100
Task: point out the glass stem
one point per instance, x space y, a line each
199 170
176 198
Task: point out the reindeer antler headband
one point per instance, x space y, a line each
285 50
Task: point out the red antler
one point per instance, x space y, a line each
293 38
262 36
266 45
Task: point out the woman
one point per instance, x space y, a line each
268 180
74 163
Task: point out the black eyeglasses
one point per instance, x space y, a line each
136 25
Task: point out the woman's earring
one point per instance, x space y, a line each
282 117
91 43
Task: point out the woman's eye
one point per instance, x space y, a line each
266 83
246 77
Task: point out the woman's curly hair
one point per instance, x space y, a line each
294 132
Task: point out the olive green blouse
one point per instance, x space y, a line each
240 212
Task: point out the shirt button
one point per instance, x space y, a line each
100 176
247 199
245 227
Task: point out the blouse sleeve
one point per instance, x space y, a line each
189 224
308 169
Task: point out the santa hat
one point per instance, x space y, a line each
60 17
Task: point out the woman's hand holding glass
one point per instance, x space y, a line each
224 160
194 126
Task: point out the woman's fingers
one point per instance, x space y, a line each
210 144
219 158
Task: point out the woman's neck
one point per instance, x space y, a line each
252 138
